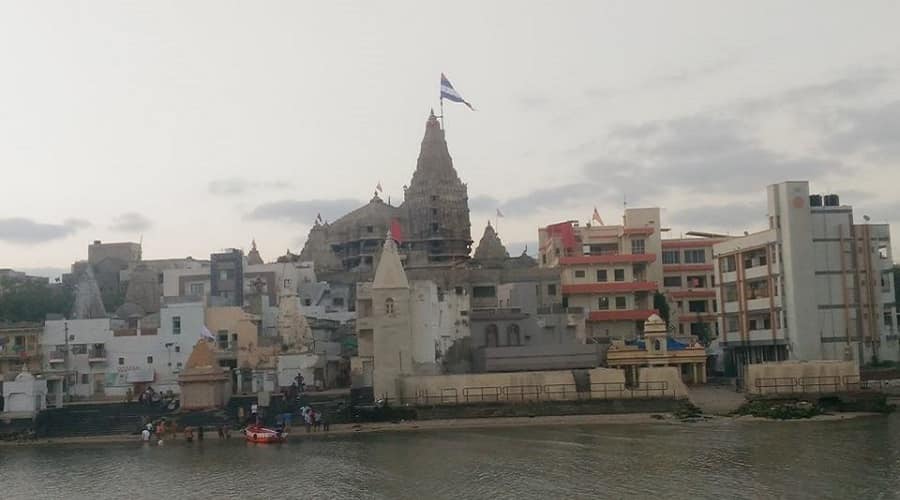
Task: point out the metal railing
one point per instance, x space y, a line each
827 384
536 393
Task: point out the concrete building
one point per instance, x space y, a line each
689 284
226 276
813 286
19 349
607 273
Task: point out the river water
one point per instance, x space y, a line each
857 458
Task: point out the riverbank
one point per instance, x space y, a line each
299 433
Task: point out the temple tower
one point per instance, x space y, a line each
437 203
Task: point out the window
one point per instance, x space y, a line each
728 264
579 274
434 212
178 348
731 324
19 340
551 289
512 335
697 306
637 246
197 289
619 275
458 290
888 324
603 303
121 361
337 301
484 292
149 360
672 281
694 256
178 365
434 227
79 348
696 281
176 325
671 257
543 258
84 379
307 302
389 306
883 252
490 335
621 303
370 229
224 274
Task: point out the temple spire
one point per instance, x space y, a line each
390 273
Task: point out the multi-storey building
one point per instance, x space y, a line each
689 284
19 349
609 273
814 285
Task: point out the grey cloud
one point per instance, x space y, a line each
130 222
698 154
681 76
483 203
303 211
20 230
533 102
235 186
730 217
872 131
847 86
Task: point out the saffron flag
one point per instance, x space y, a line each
396 231
207 335
596 216
319 217
499 213
565 232
450 93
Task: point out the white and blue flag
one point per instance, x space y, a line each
450 93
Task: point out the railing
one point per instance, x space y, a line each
97 354
827 384
57 356
535 393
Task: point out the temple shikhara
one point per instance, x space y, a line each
433 218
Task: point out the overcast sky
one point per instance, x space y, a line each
202 124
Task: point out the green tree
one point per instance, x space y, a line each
662 305
32 301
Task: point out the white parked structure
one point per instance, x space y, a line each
814 286
26 395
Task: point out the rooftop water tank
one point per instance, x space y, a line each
832 200
815 200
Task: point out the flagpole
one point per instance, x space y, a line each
443 120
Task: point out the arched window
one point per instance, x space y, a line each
490 335
657 345
512 335
389 306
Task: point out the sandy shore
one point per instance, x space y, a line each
300 433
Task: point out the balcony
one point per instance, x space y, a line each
97 355
57 356
614 287
18 352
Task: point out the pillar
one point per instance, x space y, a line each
240 381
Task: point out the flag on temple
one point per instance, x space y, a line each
319 217
499 213
565 232
207 335
378 187
450 93
596 217
396 231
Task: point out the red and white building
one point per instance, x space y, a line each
608 273
689 284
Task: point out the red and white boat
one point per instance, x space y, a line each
258 434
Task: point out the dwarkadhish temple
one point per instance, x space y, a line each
433 219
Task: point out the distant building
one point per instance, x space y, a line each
689 283
19 349
226 275
814 286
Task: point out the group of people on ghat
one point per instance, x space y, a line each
163 429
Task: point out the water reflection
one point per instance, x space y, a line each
723 459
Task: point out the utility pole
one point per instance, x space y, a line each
66 359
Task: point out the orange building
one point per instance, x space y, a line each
690 286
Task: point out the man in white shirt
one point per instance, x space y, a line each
145 435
